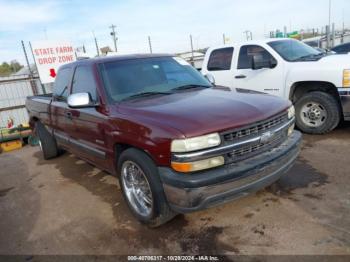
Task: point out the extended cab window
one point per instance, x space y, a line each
84 82
220 59
246 54
61 85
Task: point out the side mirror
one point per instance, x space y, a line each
258 62
80 100
210 78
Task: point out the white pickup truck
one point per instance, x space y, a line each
317 84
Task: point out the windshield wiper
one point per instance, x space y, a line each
145 94
184 87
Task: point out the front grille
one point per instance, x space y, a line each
245 133
256 129
253 150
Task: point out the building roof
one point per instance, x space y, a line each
25 71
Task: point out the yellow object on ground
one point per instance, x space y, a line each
11 145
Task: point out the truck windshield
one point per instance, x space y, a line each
292 50
144 77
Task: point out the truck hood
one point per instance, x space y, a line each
336 60
329 62
327 69
198 112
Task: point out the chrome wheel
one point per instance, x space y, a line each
40 145
313 114
136 188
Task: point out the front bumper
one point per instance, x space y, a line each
344 94
191 192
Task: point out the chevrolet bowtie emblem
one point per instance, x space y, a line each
266 137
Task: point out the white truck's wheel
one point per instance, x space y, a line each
317 113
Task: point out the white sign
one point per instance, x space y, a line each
49 56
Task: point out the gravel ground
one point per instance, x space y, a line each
66 206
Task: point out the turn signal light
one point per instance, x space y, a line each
198 165
346 78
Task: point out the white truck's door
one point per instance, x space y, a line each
267 80
220 64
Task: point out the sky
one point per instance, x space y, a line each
168 23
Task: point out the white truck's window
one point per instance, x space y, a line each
220 59
246 55
84 81
61 85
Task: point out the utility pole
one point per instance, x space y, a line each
97 50
329 24
113 34
224 38
343 23
328 34
150 44
248 34
333 34
191 48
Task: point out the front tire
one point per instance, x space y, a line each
142 189
317 113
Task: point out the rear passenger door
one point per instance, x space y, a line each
88 136
220 64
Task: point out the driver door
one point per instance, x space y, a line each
267 80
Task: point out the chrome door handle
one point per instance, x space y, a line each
240 76
69 115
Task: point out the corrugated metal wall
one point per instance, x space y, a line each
13 93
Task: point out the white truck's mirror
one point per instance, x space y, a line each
259 62
80 100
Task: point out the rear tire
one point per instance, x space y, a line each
157 210
47 142
317 113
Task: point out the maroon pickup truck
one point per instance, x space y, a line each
176 142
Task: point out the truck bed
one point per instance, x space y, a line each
39 106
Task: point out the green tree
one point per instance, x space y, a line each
7 69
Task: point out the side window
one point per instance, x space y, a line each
84 81
246 55
220 59
61 85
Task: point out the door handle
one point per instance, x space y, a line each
240 76
69 115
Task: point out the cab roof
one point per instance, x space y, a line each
106 59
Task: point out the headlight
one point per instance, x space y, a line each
346 78
198 165
195 143
291 112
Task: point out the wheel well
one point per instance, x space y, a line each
120 148
33 120
300 88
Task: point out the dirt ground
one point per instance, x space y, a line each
66 206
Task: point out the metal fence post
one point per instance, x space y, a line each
32 81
